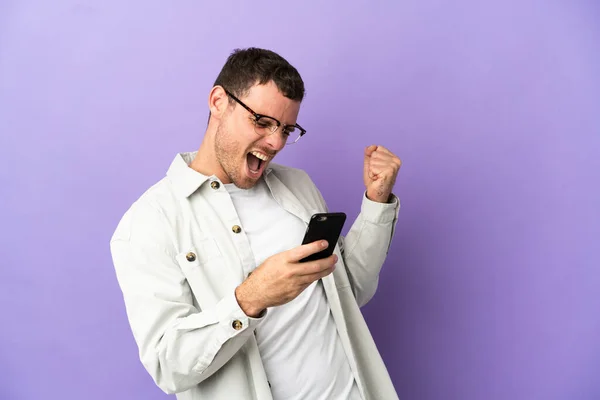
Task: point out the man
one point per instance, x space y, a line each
207 258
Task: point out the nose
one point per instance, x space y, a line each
275 140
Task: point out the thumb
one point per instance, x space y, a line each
368 152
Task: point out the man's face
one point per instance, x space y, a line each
241 152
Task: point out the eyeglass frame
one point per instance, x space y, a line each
258 116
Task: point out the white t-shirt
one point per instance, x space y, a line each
298 341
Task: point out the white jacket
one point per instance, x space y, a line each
178 266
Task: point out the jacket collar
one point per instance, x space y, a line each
185 180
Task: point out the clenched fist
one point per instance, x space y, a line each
380 172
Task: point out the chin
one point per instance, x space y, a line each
245 183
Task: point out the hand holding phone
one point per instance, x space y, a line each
283 276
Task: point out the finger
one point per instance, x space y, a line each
370 149
391 163
383 175
316 266
382 163
381 149
376 162
382 168
368 152
308 279
382 155
385 155
389 157
305 250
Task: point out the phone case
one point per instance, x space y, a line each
324 226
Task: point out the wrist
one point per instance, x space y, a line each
380 197
247 303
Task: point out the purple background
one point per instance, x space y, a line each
492 287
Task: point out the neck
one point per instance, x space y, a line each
205 161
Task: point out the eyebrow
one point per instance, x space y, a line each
253 110
277 119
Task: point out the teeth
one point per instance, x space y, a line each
259 155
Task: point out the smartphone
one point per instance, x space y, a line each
324 226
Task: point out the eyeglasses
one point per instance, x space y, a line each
265 125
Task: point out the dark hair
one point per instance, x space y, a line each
245 68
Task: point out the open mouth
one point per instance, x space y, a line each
256 163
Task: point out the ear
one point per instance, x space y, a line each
218 101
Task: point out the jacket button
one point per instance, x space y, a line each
236 229
215 185
237 325
190 257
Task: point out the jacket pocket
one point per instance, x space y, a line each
200 263
199 252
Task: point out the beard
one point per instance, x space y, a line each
232 158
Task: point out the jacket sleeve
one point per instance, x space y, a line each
179 344
366 245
